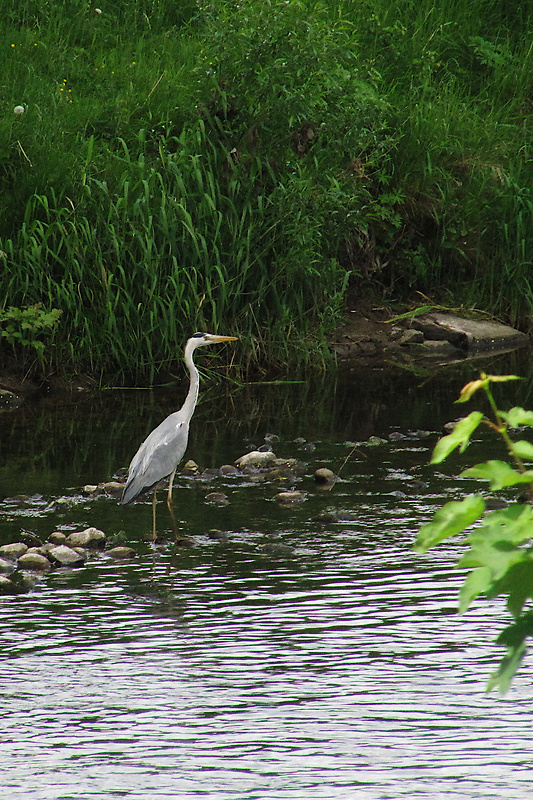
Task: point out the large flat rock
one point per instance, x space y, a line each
469 334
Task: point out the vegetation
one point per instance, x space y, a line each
500 555
242 166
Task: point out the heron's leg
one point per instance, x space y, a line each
169 502
154 501
170 484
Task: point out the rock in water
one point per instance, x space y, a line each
14 550
256 459
66 557
90 537
121 553
34 562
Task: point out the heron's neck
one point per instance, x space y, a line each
192 395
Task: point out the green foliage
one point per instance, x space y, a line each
242 164
459 437
499 554
23 326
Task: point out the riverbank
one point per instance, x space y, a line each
371 335
195 168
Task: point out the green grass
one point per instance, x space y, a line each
184 166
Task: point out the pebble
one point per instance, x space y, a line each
112 488
6 586
290 498
90 537
57 537
34 561
228 469
220 536
66 556
323 475
13 550
336 515
217 499
121 553
277 549
7 566
210 473
256 459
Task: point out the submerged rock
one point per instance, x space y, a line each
7 586
210 474
218 535
290 498
336 515
121 553
217 499
277 549
228 469
7 566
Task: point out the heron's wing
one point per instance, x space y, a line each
157 457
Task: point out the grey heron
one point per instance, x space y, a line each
162 450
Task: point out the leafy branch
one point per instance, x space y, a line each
500 552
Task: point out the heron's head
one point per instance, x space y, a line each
201 339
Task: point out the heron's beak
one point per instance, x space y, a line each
215 338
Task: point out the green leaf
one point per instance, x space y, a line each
517 416
482 383
505 673
513 637
496 556
523 449
459 437
452 518
518 584
499 473
513 524
495 543
476 582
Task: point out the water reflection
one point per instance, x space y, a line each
333 666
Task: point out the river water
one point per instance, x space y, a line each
295 655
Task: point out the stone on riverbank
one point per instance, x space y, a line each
469 334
